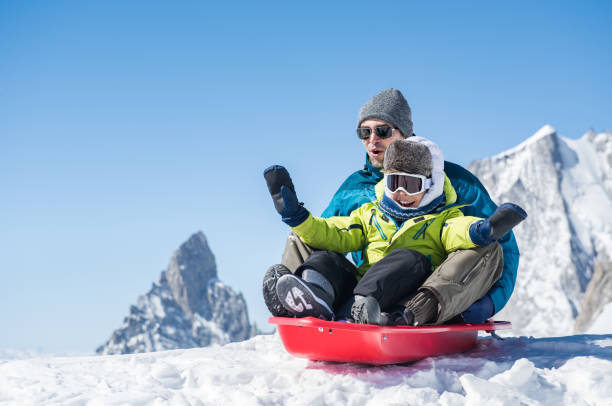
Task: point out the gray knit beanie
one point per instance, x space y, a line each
410 157
390 106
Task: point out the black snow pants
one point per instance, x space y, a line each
390 280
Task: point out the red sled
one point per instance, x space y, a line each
322 340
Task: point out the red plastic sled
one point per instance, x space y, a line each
322 340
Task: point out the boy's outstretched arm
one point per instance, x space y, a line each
284 197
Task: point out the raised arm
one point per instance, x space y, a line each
284 197
339 234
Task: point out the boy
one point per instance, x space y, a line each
406 230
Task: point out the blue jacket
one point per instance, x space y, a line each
354 192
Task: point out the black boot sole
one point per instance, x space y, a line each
273 274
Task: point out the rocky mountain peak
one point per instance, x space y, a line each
191 268
188 307
598 294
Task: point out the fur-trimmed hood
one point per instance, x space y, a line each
438 178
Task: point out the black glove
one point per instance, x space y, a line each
487 231
283 194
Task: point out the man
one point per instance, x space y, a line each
383 119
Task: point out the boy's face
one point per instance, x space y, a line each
376 146
405 200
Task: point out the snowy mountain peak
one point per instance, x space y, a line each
603 137
601 141
566 187
545 135
546 130
188 307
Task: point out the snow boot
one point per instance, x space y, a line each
401 317
303 299
269 290
366 310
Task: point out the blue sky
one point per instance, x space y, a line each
127 126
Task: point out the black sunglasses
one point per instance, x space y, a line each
382 131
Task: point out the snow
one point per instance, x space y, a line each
603 322
574 370
566 187
588 189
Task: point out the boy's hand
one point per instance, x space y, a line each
505 218
284 197
487 231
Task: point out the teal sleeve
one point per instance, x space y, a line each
471 191
502 289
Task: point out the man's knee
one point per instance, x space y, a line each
465 277
296 252
465 265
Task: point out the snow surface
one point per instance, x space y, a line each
603 322
575 370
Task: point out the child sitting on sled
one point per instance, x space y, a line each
407 230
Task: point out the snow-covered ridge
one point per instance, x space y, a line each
12 354
566 188
550 371
545 131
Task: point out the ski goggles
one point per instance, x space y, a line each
382 131
408 183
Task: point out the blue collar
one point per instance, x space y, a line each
376 172
398 213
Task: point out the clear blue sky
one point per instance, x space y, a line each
127 126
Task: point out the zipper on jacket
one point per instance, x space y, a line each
423 229
380 231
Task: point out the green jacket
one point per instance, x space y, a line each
369 229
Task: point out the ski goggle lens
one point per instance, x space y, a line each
409 183
382 131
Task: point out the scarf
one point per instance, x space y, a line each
400 214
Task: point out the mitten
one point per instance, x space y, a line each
489 230
284 197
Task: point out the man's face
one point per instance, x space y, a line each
375 146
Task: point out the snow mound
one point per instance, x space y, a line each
575 370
